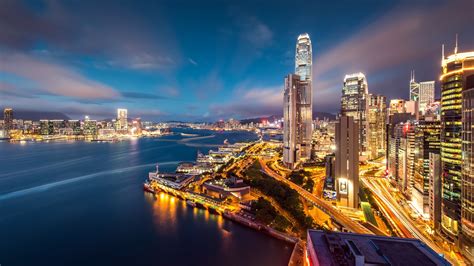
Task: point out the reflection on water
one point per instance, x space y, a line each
166 208
164 212
81 196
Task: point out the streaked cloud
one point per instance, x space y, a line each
121 38
408 37
192 61
252 102
55 78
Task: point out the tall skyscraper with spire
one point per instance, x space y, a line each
422 93
414 88
457 149
298 106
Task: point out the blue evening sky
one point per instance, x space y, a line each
207 60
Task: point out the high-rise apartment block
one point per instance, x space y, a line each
377 116
355 103
347 161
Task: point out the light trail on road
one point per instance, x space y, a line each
321 204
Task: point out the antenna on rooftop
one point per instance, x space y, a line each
442 51
456 47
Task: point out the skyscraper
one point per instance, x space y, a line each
421 92
467 185
407 158
297 106
347 161
427 92
122 122
303 68
377 115
456 149
434 193
354 102
426 142
414 88
8 118
294 128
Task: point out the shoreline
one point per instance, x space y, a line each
233 217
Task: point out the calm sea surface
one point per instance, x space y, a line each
82 203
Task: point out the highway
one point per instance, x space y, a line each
403 219
323 205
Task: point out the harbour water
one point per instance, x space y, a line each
82 203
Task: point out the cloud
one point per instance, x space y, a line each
192 61
254 32
252 102
408 37
55 78
10 89
170 91
142 95
206 86
251 36
121 38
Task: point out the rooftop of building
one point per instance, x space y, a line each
336 248
457 56
359 75
173 177
227 183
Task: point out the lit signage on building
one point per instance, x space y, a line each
343 186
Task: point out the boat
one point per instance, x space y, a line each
191 203
189 135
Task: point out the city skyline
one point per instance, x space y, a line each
142 127
233 68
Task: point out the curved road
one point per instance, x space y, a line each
324 206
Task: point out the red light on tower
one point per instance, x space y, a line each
405 128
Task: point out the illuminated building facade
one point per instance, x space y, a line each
294 128
467 182
400 138
354 103
90 127
76 126
122 122
397 106
44 128
427 92
303 68
434 193
403 164
427 134
409 136
8 119
347 161
456 149
377 115
414 88
297 106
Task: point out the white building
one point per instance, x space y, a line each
355 103
427 92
